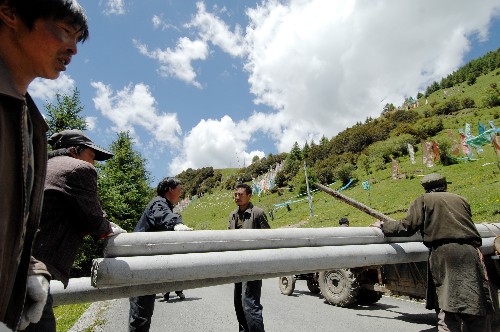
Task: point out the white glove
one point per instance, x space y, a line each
116 229
37 289
4 328
182 227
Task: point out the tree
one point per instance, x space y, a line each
65 113
124 183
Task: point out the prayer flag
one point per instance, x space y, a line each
366 185
411 151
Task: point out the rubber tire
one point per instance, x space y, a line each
368 296
339 287
287 284
313 286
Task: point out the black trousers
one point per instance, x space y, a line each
247 306
141 311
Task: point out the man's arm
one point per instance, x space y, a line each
83 190
163 217
261 220
410 224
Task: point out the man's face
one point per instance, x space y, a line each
87 154
241 198
174 195
47 48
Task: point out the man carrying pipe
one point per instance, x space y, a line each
457 274
158 216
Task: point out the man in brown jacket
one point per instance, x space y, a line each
71 210
247 294
38 39
456 269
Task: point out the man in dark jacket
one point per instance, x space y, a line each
38 39
247 294
457 274
158 216
71 210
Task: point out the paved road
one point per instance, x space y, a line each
211 309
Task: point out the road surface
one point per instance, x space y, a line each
211 309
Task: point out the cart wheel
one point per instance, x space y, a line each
287 284
339 287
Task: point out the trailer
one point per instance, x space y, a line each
365 285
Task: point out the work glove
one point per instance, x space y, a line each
378 224
37 289
116 229
182 227
4 328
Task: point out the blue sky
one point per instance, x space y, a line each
214 83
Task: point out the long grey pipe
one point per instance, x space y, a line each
165 243
80 290
139 270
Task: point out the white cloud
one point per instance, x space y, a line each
217 143
177 62
134 107
91 122
113 7
213 29
46 90
159 23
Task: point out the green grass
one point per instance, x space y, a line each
477 180
68 315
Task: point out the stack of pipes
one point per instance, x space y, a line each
149 263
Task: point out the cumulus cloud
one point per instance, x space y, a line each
212 28
47 89
217 143
134 107
177 62
113 7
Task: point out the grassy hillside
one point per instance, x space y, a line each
478 180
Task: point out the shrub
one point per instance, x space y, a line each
492 98
428 127
450 106
468 102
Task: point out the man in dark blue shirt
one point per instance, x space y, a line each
157 217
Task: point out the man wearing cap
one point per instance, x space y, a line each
71 209
456 272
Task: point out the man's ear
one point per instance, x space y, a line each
72 151
7 15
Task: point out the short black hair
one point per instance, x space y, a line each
245 186
69 10
344 221
166 184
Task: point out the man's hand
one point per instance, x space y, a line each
116 229
378 224
182 227
37 289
